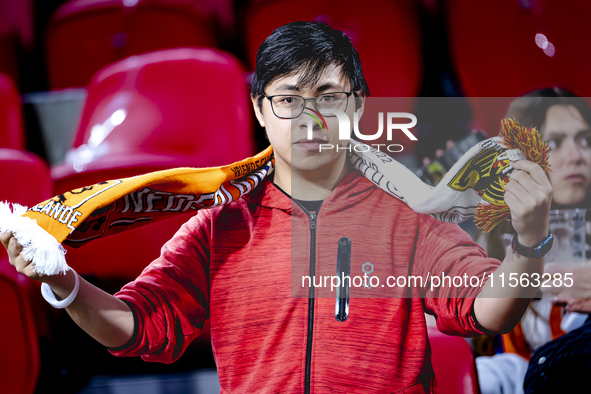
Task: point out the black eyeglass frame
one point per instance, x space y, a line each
313 99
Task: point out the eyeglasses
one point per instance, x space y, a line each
289 106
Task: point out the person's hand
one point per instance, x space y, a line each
529 195
65 283
15 258
575 294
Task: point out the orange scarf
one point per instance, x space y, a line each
474 185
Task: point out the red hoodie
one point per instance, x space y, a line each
241 265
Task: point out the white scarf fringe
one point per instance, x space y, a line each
40 247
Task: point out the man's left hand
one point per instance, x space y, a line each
529 195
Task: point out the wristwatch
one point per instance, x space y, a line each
535 252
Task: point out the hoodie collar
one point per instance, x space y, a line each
353 185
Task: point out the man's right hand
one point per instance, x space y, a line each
106 318
60 284
15 258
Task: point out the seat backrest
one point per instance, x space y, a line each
16 34
12 133
388 43
170 108
16 19
19 351
179 108
24 179
8 56
507 48
453 364
86 35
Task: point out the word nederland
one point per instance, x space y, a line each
147 200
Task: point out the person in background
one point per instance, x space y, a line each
563 120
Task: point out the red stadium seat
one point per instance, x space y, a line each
16 34
388 43
19 351
86 35
16 18
8 58
12 134
453 364
507 48
25 180
171 108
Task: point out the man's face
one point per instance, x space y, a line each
289 137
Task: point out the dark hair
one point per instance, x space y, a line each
530 109
306 47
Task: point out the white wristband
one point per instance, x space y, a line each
47 293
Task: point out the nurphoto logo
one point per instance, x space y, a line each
345 125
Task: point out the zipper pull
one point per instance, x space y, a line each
343 273
313 220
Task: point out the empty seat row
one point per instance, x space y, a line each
85 35
539 43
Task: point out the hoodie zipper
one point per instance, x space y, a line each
311 299
311 294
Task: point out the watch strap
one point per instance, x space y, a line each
535 252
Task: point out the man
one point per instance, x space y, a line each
235 264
